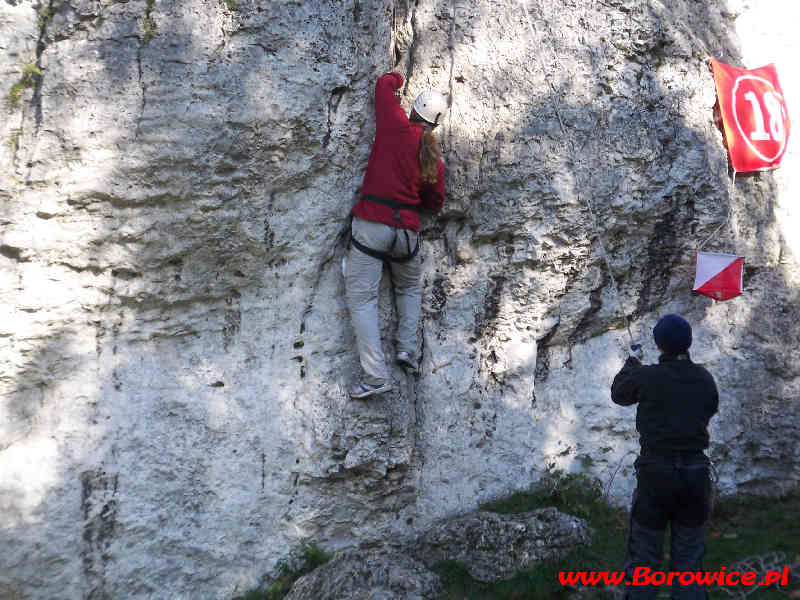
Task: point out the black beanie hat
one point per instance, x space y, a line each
673 334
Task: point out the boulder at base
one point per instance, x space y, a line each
494 547
368 575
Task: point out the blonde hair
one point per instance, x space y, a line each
429 155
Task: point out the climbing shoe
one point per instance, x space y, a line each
363 389
405 360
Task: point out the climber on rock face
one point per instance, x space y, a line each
676 400
405 175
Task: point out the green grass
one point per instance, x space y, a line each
740 528
748 526
29 73
148 23
15 93
44 17
312 557
13 141
30 70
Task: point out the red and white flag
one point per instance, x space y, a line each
754 116
718 276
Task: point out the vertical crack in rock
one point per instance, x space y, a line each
411 50
44 19
150 28
143 87
542 371
394 48
269 234
417 420
449 237
99 505
232 319
263 471
333 106
451 48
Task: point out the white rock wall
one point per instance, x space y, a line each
175 346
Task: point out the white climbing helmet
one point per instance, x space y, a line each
431 105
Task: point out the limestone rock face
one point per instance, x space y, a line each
494 547
175 347
376 575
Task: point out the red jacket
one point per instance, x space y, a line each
393 170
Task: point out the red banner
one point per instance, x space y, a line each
754 115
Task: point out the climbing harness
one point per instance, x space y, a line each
387 256
587 200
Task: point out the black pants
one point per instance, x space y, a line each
672 489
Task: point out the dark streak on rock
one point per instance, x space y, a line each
269 234
99 334
486 323
44 19
543 358
11 252
143 87
232 319
99 506
664 250
583 330
438 294
126 274
451 48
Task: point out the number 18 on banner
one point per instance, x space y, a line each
754 116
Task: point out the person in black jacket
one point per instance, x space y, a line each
676 399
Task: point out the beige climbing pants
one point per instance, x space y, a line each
362 282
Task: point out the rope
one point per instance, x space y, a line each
614 474
727 219
587 200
